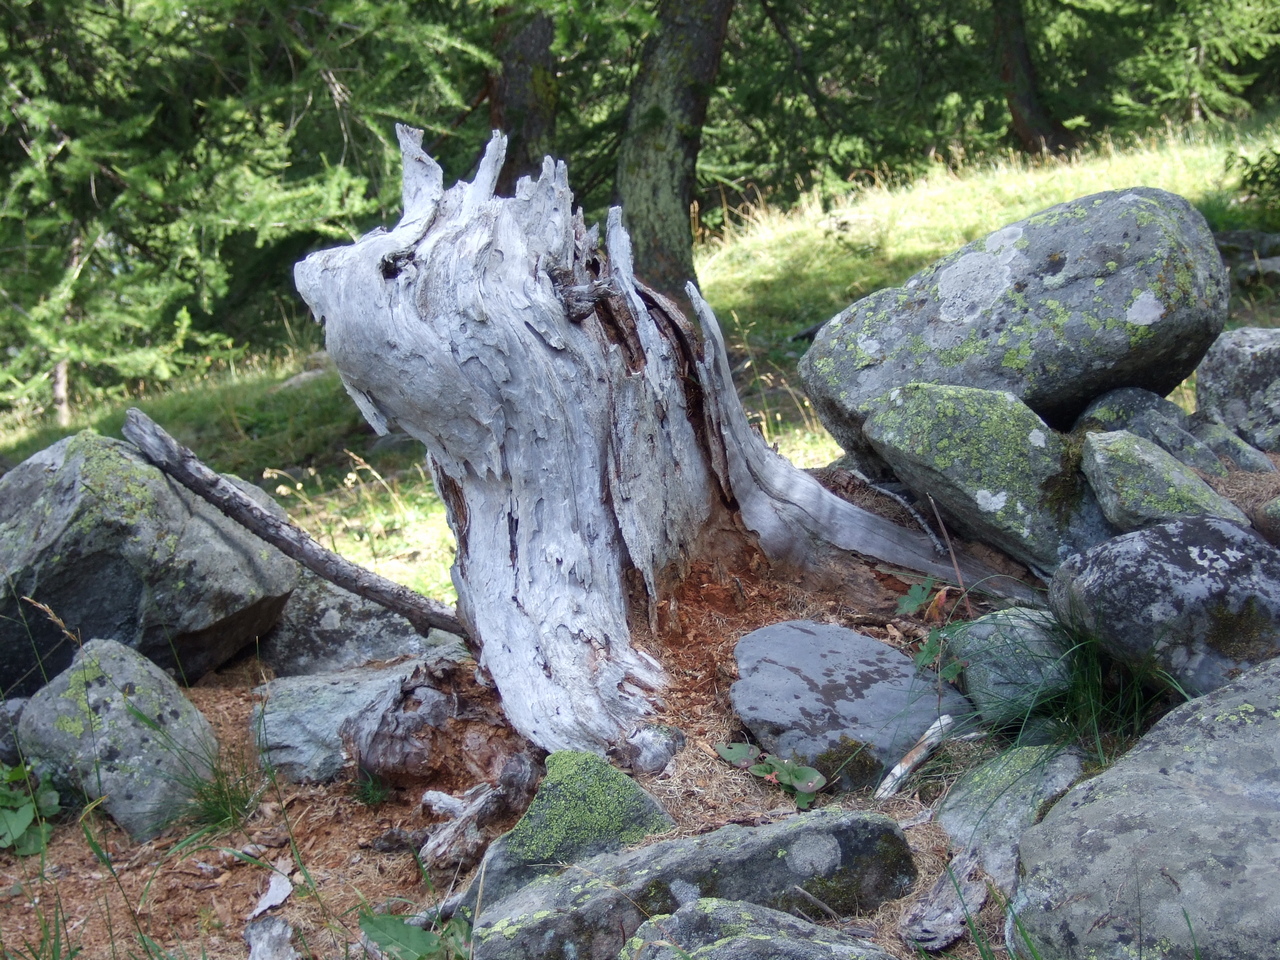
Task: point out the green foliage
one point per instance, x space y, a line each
1259 178
800 782
371 790
25 808
400 940
162 165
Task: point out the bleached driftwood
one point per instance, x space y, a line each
936 733
587 442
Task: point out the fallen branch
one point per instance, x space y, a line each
936 733
186 468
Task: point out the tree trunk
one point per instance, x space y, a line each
658 156
62 393
522 94
1035 129
588 446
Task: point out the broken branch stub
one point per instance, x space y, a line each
588 445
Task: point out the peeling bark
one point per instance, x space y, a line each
588 445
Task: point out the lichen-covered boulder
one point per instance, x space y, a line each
1198 599
119 551
1003 476
325 629
1013 660
713 929
835 699
113 725
989 807
1152 417
583 807
1239 383
1116 289
1173 852
1219 438
852 861
1137 483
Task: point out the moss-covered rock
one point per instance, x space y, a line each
592 909
1003 475
113 725
118 551
1013 660
1116 289
1239 383
711 929
583 807
1137 483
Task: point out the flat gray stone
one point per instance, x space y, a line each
1173 852
1198 599
1138 483
1002 475
711 929
86 731
1116 289
830 696
852 861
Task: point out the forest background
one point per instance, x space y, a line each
164 164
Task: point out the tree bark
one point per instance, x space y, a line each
658 156
1035 129
522 94
588 446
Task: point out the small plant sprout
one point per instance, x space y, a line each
801 782
25 807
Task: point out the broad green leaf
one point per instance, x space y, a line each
739 754
33 840
397 938
13 823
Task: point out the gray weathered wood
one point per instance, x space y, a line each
587 442
185 467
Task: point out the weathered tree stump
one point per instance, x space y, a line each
587 442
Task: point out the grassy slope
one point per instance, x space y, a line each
776 274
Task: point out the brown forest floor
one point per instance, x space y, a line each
192 899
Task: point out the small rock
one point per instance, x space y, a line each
113 725
1014 659
1137 483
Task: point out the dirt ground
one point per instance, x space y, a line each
183 895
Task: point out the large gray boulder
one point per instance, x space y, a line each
1198 599
113 725
852 861
1172 853
1138 483
1003 476
1116 289
325 629
119 551
712 929
835 699
1239 383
